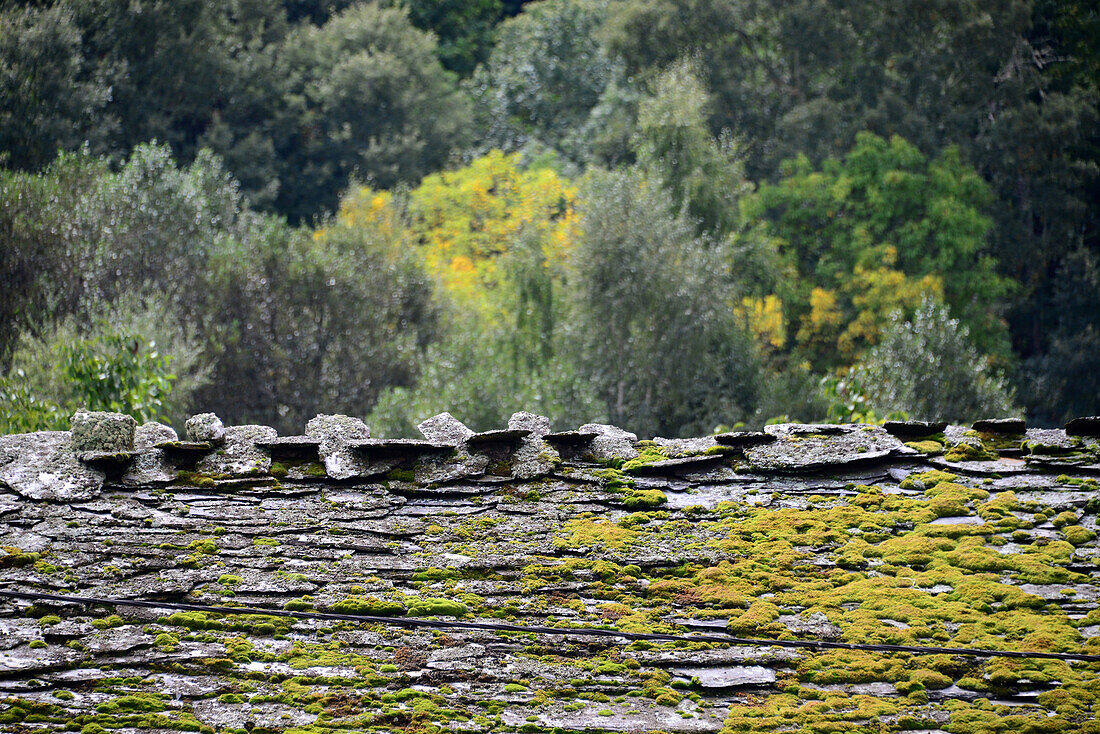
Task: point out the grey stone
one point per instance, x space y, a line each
335 432
815 624
741 439
538 425
729 677
205 427
445 428
442 469
679 447
1000 425
914 429
240 454
151 465
100 431
534 458
1085 426
263 547
806 447
785 430
42 466
611 442
151 433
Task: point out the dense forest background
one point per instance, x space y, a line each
673 215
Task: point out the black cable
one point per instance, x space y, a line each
415 622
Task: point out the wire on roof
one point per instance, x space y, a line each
420 622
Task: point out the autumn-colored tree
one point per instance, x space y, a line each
495 235
871 233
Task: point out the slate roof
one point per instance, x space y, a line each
916 534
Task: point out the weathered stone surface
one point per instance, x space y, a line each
728 677
610 442
99 431
205 427
42 466
149 434
334 432
815 624
680 447
239 454
807 447
740 439
533 456
444 428
1000 425
914 429
538 425
831 549
1087 426
151 465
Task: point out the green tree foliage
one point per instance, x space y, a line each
289 324
944 149
313 11
368 98
45 99
475 377
880 222
464 29
544 76
171 65
497 237
703 176
41 261
111 360
294 110
660 340
1064 381
301 324
928 367
804 77
1011 83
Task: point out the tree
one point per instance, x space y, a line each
660 339
1010 83
171 66
703 176
128 358
546 73
873 231
497 236
464 29
928 367
288 324
1064 381
486 228
46 101
300 323
370 100
473 375
44 252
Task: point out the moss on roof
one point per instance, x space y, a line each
846 533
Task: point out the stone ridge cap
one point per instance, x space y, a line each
110 448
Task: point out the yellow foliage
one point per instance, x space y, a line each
473 225
878 292
470 221
366 208
852 319
764 319
822 324
824 312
